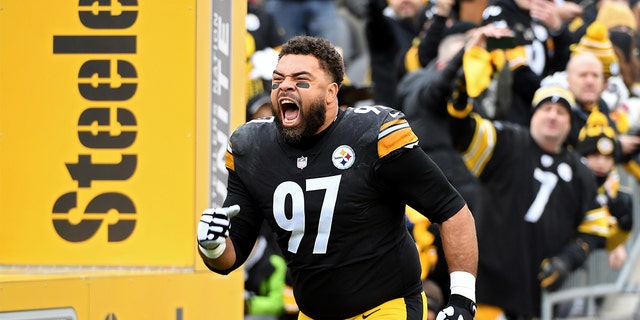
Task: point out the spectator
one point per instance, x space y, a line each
596 41
625 102
622 93
500 80
544 218
592 61
624 44
597 144
537 26
259 106
390 31
585 81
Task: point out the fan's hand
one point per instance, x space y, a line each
553 273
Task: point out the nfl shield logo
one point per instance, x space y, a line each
301 163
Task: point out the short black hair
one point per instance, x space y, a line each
329 58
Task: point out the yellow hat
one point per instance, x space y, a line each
597 136
596 41
615 14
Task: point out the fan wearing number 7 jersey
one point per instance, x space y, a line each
333 185
544 218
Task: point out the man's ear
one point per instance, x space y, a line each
332 93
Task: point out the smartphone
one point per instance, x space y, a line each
501 43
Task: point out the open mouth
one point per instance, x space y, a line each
290 111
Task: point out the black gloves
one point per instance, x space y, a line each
553 273
459 307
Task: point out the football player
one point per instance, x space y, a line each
333 185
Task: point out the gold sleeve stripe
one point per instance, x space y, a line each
633 168
389 124
228 158
395 135
596 222
481 147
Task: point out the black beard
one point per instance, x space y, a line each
310 124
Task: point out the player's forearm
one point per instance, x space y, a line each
223 263
460 243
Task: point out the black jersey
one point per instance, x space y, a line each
342 231
545 54
539 202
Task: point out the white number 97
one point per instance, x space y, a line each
297 222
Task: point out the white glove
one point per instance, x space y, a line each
213 230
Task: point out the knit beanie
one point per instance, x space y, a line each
616 14
553 93
596 41
597 136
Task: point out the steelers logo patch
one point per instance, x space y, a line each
605 146
343 157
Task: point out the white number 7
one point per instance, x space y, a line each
548 181
297 222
